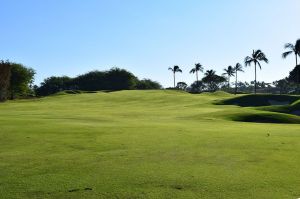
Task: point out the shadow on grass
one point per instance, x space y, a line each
278 118
260 100
281 109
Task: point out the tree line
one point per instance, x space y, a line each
16 80
111 80
212 82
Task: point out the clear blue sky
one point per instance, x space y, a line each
71 37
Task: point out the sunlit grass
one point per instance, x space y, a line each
144 144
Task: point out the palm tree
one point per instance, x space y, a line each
297 46
256 57
229 71
238 68
212 80
292 49
175 69
209 77
198 67
209 74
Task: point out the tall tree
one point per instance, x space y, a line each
229 71
5 73
20 81
198 67
212 80
292 49
282 85
297 46
238 68
196 87
296 50
181 85
175 70
256 57
294 77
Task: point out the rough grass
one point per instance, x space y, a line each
143 144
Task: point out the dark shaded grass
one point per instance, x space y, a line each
266 118
258 100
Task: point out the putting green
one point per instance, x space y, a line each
146 144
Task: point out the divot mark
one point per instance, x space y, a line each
178 187
74 190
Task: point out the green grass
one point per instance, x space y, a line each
293 108
144 144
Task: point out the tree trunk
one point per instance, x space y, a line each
298 76
174 78
197 79
228 82
12 96
5 73
255 80
235 82
3 94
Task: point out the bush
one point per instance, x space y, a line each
147 84
111 80
53 85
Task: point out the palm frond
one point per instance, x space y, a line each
198 67
176 69
238 67
193 70
285 54
262 57
258 55
210 72
289 46
229 71
248 60
259 65
170 69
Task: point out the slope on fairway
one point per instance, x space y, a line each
264 108
293 108
143 144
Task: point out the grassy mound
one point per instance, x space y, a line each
277 113
293 108
266 118
259 100
295 105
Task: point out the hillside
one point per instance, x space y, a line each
147 144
